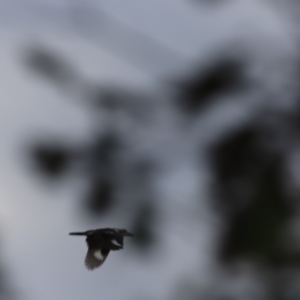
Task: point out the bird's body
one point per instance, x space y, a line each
100 242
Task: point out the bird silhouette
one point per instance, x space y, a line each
100 242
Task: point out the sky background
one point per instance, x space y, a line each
43 262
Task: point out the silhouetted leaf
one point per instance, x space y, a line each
238 162
143 226
51 159
249 181
50 65
223 77
99 198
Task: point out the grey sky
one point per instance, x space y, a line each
45 263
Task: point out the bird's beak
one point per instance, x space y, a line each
77 233
126 233
129 234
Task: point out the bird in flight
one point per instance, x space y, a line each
100 242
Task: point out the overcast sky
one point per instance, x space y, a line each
43 261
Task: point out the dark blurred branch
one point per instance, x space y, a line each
221 77
47 63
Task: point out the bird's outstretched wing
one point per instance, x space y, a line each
95 257
114 237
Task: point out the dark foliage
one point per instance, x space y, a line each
101 158
238 161
50 159
248 191
104 98
220 78
143 226
250 187
103 153
255 232
47 63
99 198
